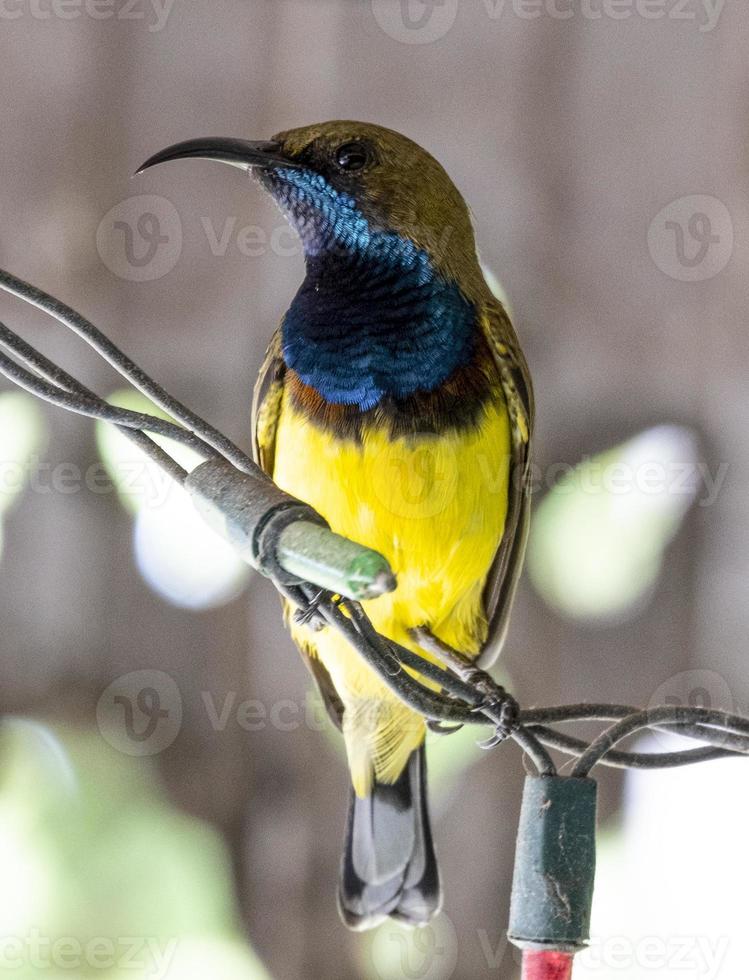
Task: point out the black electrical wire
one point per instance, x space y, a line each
719 721
415 695
127 368
450 698
731 746
577 712
95 408
449 682
64 381
525 738
631 760
533 748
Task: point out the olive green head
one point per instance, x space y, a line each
396 184
341 181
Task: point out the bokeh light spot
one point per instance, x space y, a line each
598 537
182 559
22 434
178 555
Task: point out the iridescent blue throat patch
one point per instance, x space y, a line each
372 318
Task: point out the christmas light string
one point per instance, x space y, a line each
326 576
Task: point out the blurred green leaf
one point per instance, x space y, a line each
97 861
599 537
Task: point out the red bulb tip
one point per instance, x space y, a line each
543 964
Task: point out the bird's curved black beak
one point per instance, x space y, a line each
245 154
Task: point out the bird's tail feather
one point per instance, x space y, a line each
389 867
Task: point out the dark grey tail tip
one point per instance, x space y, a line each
389 868
359 923
416 919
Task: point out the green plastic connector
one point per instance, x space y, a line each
241 506
315 554
555 860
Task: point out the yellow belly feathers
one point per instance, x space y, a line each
435 506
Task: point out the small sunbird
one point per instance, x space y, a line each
394 398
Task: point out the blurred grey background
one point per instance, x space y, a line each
569 128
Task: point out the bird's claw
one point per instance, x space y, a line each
310 616
491 742
498 706
506 715
440 728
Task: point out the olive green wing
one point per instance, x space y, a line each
267 400
504 574
266 405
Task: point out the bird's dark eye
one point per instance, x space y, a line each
352 156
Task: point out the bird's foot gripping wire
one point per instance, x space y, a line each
496 704
308 615
308 601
